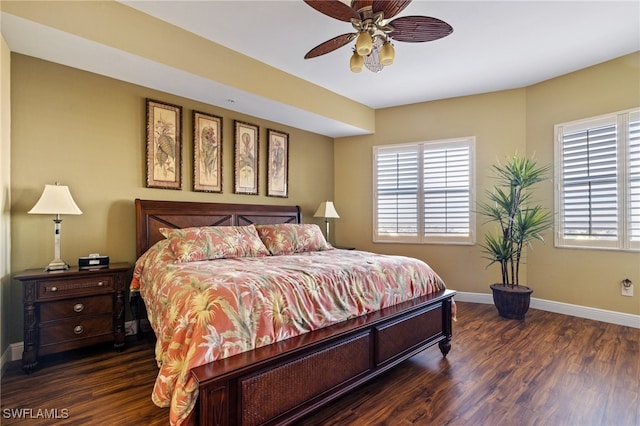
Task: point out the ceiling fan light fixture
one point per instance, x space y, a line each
364 43
387 54
375 24
356 63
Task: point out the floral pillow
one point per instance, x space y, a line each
214 242
289 238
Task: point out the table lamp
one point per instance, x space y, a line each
57 200
326 210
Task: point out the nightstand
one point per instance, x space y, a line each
70 309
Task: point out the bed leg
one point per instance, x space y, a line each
134 304
447 309
445 346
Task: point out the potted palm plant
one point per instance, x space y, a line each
519 221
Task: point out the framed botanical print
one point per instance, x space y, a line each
207 152
164 145
246 158
278 163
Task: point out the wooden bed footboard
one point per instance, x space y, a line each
282 382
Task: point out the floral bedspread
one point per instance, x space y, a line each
207 310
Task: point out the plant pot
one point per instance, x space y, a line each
511 302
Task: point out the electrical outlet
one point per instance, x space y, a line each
626 290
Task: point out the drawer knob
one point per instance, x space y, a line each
100 284
54 288
78 329
78 307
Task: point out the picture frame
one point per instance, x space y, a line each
277 163
207 152
164 145
247 142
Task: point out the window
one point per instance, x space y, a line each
598 182
423 192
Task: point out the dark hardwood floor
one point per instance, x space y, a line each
550 369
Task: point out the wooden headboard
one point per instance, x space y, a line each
152 215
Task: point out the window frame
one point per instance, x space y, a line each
420 237
623 240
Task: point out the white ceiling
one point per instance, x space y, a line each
495 45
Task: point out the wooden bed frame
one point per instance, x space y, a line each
284 381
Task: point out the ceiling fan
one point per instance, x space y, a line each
374 32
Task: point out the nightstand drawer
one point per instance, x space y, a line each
53 289
76 307
76 328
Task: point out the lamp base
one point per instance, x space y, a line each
57 265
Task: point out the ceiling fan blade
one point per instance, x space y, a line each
330 45
356 5
390 8
333 8
417 29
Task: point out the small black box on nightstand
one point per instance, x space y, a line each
93 262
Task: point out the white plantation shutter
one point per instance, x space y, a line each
447 191
598 169
423 192
633 159
397 191
589 158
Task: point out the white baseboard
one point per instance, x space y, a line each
12 353
462 296
6 357
613 317
16 350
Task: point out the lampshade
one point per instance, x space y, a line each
326 210
387 54
364 43
55 199
356 63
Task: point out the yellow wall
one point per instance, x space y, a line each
579 276
88 132
5 195
503 122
